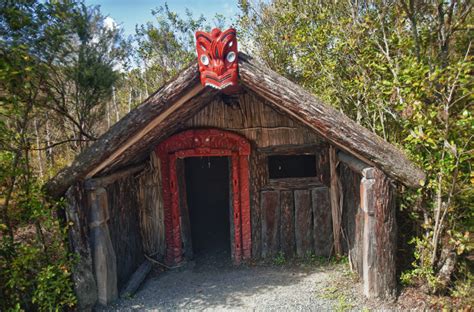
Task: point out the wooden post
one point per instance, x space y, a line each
379 240
336 207
303 222
105 264
322 224
287 232
367 205
84 282
270 201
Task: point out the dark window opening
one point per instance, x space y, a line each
291 166
207 188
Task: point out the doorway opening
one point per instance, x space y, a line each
208 200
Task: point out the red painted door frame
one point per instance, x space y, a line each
206 142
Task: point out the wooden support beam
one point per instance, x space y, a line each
300 149
355 164
92 184
335 197
103 254
368 260
379 238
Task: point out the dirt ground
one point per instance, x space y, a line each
213 285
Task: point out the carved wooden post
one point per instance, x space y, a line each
105 264
379 247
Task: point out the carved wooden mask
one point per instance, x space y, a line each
218 59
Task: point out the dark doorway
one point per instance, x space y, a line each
207 191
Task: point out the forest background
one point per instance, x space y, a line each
401 68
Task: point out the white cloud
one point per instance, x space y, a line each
109 23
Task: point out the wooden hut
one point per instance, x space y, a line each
291 175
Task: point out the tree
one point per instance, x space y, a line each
165 47
57 64
84 72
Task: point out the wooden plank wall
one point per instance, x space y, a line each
285 218
352 216
124 227
255 120
151 212
296 222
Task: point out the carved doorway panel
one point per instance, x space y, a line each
206 142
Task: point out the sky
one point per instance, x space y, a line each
128 13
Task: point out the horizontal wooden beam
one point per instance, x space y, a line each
301 149
355 164
337 128
292 183
92 184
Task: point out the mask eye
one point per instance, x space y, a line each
204 60
230 57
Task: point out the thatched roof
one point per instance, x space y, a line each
132 138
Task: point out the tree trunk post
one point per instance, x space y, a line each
105 264
379 240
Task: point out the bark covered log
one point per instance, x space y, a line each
380 230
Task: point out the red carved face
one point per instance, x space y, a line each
218 58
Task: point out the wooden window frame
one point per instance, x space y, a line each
290 183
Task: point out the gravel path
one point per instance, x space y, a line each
219 287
